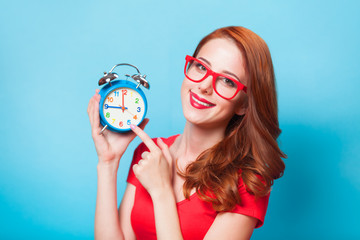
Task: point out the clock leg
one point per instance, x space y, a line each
102 130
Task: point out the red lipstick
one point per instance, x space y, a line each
199 103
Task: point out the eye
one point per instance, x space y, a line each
200 66
228 82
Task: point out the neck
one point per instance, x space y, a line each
195 140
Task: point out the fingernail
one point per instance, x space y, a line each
132 126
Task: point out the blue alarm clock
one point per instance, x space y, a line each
122 101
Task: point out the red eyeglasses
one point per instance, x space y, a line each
225 86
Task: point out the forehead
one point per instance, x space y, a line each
224 55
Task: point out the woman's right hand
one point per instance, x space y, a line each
110 146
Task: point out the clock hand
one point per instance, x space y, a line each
123 105
129 112
134 116
107 106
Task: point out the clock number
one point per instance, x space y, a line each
110 99
136 100
135 117
113 120
138 109
121 124
116 93
124 91
106 106
128 122
107 115
131 94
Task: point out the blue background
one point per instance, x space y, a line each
52 54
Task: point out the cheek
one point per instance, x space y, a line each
185 86
182 89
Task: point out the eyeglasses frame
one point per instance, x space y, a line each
240 86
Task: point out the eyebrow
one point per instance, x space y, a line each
226 72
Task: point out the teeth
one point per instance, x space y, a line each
201 103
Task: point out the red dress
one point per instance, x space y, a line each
195 215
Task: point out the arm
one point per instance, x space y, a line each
166 215
107 224
110 147
231 226
153 171
126 205
241 221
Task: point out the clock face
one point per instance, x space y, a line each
122 107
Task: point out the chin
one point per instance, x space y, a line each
205 120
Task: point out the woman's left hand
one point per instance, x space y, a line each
154 170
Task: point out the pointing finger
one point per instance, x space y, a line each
144 137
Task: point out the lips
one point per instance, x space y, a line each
199 103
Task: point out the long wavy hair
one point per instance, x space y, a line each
249 149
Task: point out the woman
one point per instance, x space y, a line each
212 181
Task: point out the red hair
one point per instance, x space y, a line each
249 149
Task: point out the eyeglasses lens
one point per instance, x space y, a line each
225 87
195 70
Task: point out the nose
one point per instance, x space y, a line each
205 86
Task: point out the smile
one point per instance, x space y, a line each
199 102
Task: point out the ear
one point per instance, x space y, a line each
240 109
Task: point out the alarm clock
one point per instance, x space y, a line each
122 101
